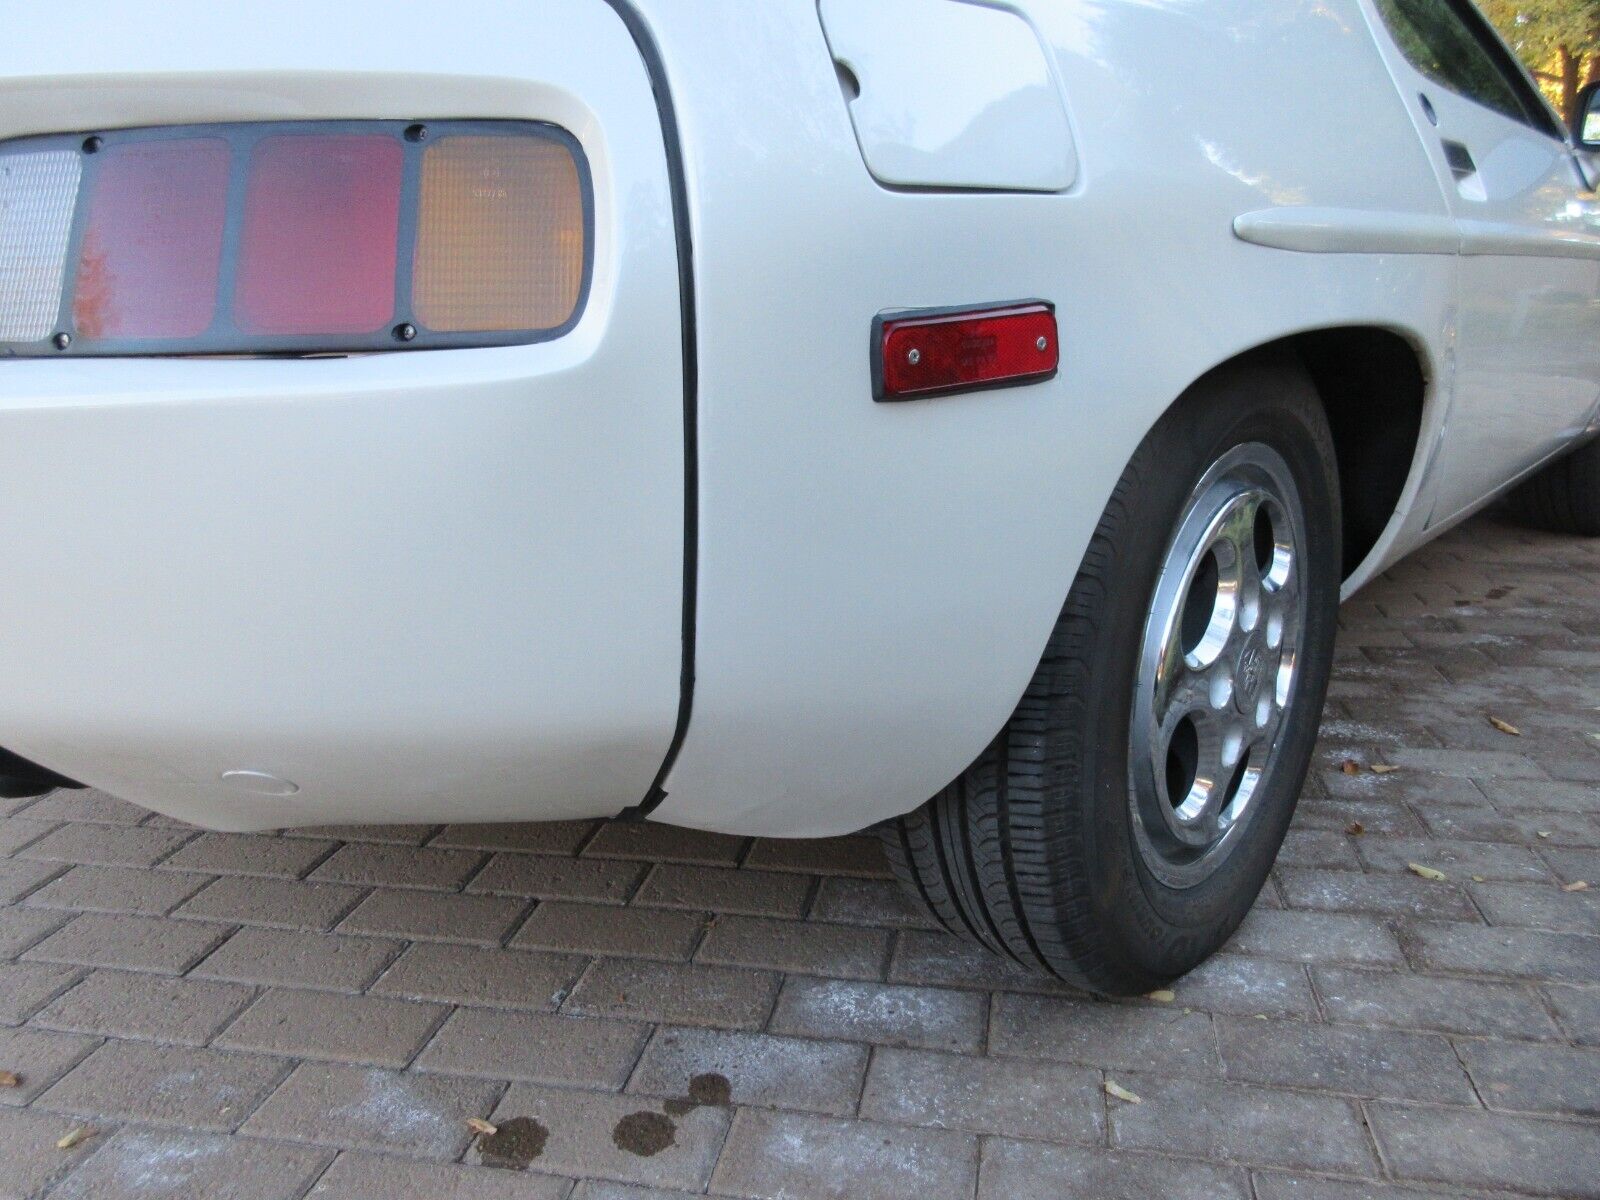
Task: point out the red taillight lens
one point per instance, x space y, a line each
296 237
153 242
926 354
317 255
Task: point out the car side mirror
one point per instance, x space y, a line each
1586 124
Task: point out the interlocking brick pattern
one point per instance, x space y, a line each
318 1013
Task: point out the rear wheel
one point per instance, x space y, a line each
1565 495
1120 826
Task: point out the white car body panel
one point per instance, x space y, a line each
272 565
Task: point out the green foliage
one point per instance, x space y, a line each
1539 30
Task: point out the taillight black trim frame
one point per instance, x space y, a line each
223 337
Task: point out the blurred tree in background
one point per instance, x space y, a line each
1558 39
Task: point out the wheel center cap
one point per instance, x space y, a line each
1249 674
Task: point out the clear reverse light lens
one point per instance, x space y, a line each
38 193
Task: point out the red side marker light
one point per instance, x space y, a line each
937 353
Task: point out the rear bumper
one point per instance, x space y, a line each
409 585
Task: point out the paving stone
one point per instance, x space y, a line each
1378 894
178 1165
603 929
535 1048
146 1007
867 902
1378 817
1526 953
275 903
367 1108
399 866
398 835
251 854
368 1030
1232 1122
1459 860
1488 1150
1539 906
38 1059
1468 764
1274 1185
167 1085
664 843
287 958
1532 1078
719 889
795 1154
1473 823
1407 1001
356 1176
29 1160
545 837
861 856
436 916
985 1095
760 1069
598 881
1360 1062
18 877
605 1189
105 845
1542 794
590 1133
810 948
1014 1170
119 889
1096 1034
19 833
1572 865
130 943
27 987
468 975
935 959
1316 937
1579 1013
21 928
85 804
1323 849
675 993
1232 983
921 1018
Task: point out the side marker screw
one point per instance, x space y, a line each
914 356
1043 344
405 332
61 341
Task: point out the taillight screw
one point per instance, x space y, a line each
1043 344
415 133
914 356
404 332
92 144
61 341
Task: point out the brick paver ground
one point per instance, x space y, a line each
649 1013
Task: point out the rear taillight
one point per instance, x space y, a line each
309 237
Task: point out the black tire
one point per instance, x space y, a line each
1564 497
1031 851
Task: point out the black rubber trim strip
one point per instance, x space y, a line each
678 180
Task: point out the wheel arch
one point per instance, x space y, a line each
1374 385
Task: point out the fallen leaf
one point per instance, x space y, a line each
1383 768
10 1079
1350 767
1505 727
1427 872
1121 1093
1580 886
1544 833
1163 996
1477 879
481 1127
1355 829
74 1137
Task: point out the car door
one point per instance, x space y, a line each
1527 367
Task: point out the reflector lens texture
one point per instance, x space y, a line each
500 235
38 192
321 219
153 243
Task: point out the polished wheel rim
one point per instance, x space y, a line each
1218 666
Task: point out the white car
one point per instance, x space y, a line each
762 417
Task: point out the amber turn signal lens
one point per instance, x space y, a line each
500 235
